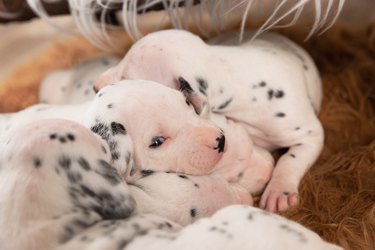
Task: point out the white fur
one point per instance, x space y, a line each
268 87
65 195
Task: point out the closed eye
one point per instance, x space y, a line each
157 141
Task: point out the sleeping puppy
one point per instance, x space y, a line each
148 126
58 191
270 87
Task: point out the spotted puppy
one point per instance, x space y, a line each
144 134
72 86
269 86
164 130
58 183
58 191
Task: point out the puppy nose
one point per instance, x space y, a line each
221 143
96 90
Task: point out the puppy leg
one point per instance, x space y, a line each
281 192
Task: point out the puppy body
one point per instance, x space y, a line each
268 86
58 191
128 118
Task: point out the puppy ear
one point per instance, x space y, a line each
191 96
107 77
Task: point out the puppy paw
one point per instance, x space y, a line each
279 197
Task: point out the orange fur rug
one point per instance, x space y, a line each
337 196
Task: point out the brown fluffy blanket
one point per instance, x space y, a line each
337 196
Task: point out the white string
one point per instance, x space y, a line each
83 13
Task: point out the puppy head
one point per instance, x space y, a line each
165 131
159 57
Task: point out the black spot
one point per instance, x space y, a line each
294 231
84 164
285 193
87 91
103 130
292 155
213 228
64 161
63 89
67 235
297 128
109 106
183 176
103 149
84 238
52 136
279 94
113 148
270 94
168 224
262 84
202 84
305 67
280 114
250 216
100 94
122 244
100 129
225 104
196 185
240 174
128 158
108 172
193 212
74 177
70 137
147 172
62 139
117 128
185 86
37 162
254 99
105 61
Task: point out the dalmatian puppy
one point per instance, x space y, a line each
55 182
58 191
140 144
72 86
269 86
158 134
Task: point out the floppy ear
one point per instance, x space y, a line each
191 96
109 76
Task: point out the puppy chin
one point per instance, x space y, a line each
202 162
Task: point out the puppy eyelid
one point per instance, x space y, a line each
157 141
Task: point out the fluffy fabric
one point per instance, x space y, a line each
338 193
